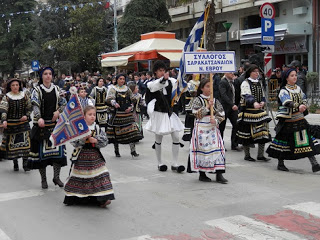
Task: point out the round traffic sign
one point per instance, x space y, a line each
267 10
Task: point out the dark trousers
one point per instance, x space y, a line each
232 116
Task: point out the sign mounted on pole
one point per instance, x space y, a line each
35 65
209 62
267 31
267 10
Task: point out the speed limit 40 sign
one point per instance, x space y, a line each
267 10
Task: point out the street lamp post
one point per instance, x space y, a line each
227 26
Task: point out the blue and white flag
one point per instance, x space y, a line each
191 45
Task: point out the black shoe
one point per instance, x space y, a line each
252 145
316 168
204 178
263 158
25 166
117 153
58 182
221 179
44 184
249 159
162 168
239 149
134 154
284 168
179 169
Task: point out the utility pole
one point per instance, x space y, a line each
115 26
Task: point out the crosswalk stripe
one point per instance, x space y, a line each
306 207
144 237
250 229
22 194
4 236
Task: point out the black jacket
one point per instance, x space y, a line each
226 95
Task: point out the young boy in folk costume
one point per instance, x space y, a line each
89 181
163 120
84 100
207 152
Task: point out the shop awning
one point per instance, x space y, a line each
115 61
255 37
174 58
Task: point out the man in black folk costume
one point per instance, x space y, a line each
163 120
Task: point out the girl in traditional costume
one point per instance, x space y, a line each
137 105
207 152
15 109
122 128
293 140
99 95
47 105
253 119
89 180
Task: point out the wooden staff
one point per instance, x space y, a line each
211 95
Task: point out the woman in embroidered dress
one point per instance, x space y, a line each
99 94
207 153
139 102
15 111
122 128
253 119
89 180
293 139
47 105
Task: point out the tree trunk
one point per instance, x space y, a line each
211 28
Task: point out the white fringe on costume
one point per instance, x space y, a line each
160 123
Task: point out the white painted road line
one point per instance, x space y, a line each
250 229
22 194
306 207
4 236
144 237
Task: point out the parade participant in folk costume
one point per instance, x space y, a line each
15 109
207 153
122 128
253 120
137 105
99 94
89 180
189 97
293 139
47 105
163 120
84 100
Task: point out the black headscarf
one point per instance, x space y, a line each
41 71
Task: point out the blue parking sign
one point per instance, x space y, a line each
267 31
35 65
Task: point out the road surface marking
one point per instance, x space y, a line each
4 236
23 194
250 229
145 237
307 207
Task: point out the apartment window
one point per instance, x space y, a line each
253 21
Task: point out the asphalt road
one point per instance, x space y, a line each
165 205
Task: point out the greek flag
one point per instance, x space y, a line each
191 45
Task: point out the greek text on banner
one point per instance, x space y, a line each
209 62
